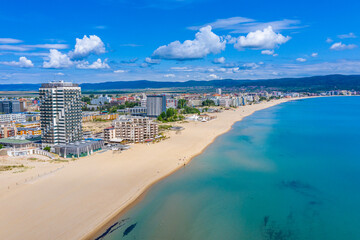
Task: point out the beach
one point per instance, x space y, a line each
76 200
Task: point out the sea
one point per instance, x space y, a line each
288 172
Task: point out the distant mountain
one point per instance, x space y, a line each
315 83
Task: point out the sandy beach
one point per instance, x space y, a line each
75 200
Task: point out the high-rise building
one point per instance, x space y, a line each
10 106
60 113
155 104
218 91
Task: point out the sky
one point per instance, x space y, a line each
176 40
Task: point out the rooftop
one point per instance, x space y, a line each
59 84
14 141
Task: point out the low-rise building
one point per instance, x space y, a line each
7 129
32 124
12 117
136 111
101 100
29 131
79 149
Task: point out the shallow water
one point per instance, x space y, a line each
287 172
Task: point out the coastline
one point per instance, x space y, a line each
138 198
83 199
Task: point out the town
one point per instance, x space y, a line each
61 122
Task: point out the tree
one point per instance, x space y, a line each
113 109
208 103
1 146
86 99
47 148
190 110
262 99
92 96
181 103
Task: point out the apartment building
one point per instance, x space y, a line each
12 117
132 129
10 106
7 130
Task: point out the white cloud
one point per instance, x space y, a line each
152 61
265 39
144 65
340 46
184 69
349 35
47 46
120 71
329 40
86 46
224 23
267 52
219 60
23 62
314 54
214 76
170 75
57 60
301 59
98 64
205 42
245 25
248 66
9 40
59 74
14 48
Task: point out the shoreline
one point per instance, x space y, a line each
138 198
82 200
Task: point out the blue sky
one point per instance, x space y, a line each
176 40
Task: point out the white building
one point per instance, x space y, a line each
225 102
60 113
101 100
218 91
143 100
132 129
12 117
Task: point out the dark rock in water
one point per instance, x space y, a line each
112 228
107 231
129 229
266 220
300 187
313 203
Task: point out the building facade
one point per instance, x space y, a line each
10 106
155 105
60 113
132 129
7 130
12 117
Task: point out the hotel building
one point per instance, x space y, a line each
60 113
132 129
155 104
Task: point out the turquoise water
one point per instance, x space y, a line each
287 172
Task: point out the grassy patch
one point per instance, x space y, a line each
58 160
10 167
164 127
